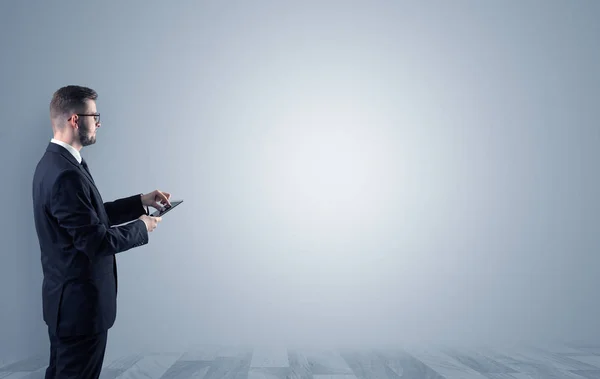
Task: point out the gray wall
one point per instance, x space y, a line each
353 172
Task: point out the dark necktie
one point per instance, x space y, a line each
85 167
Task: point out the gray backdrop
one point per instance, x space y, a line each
353 172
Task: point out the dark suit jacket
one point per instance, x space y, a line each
78 244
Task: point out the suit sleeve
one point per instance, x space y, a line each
73 209
124 210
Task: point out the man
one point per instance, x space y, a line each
79 235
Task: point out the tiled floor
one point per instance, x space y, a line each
569 361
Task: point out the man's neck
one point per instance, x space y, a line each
68 141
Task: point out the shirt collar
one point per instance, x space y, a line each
70 148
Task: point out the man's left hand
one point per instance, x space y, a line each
156 199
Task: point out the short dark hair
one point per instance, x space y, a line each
69 99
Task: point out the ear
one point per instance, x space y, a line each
73 121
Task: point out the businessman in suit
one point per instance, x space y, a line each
79 235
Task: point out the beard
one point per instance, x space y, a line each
86 138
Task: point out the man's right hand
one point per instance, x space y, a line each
151 222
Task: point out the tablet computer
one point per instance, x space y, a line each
161 212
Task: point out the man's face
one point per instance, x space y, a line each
88 125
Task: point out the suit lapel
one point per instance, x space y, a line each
89 177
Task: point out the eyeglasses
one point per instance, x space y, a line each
95 115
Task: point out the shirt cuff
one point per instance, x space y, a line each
146 208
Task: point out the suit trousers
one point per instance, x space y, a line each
78 357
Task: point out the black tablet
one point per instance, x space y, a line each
160 213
